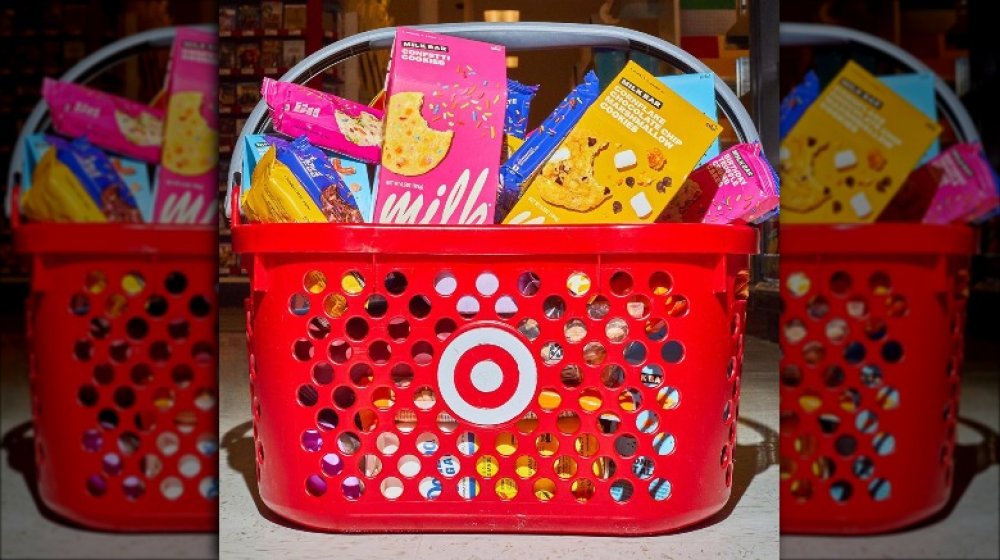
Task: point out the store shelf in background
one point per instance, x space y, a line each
262 33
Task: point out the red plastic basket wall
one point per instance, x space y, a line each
871 334
122 335
529 379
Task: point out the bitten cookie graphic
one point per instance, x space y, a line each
803 192
567 178
191 147
412 147
363 130
144 130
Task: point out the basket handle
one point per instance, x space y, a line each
516 37
813 34
81 73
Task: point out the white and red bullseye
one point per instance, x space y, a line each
487 375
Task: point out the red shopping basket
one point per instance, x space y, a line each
872 324
580 379
122 350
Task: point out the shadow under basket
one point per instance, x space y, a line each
871 332
123 357
472 379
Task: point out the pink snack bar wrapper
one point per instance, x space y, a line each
332 122
187 180
965 187
114 123
737 186
446 98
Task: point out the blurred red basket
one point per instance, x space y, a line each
122 349
872 324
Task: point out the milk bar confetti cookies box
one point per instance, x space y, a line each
445 104
187 183
851 151
624 161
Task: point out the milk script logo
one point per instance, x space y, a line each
407 210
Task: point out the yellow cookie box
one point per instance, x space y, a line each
851 151
624 161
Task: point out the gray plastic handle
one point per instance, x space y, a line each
814 34
81 73
516 37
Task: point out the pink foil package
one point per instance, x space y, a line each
963 182
737 186
332 122
446 100
187 181
114 123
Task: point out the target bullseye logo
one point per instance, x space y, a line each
487 375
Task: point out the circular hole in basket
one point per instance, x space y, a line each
402 375
322 373
879 489
327 419
590 399
408 466
95 281
582 490
525 466
866 422
612 376
664 443
302 349
621 491
124 397
133 488
79 304
100 327
116 304
549 399
356 328
564 467
791 375
136 328
621 283
171 488
594 354
813 353
604 468
112 464
185 421
660 283
352 282
528 423
199 306
554 307
422 353
863 467
676 305
175 283
608 422
376 306
104 374
506 444
506 489
528 283
178 329
159 351
544 489
840 283
430 488
387 443
828 423
616 330
857 307
887 398
879 283
798 284
445 283
598 307
298 304
189 466
315 485
884 444
335 305
318 328
804 445
344 397
656 329
87 395
396 282
586 445
871 375
405 420
133 283
369 465
892 351
571 376
551 353
638 306
647 421
383 398
849 399
836 330
794 331
672 352
635 352
468 444
307 395
168 443
578 284
420 306
128 443
340 351
575 330
107 419
145 420
83 350
568 422
448 466
427 444
896 306
845 445
854 353
92 440
529 328
424 398
505 307
833 376
487 466
311 440
876 328
444 328
841 491
818 307
391 487
643 467
487 284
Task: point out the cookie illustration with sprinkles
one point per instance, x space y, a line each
412 147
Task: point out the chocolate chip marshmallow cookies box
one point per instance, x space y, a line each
850 152
187 183
445 103
624 161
